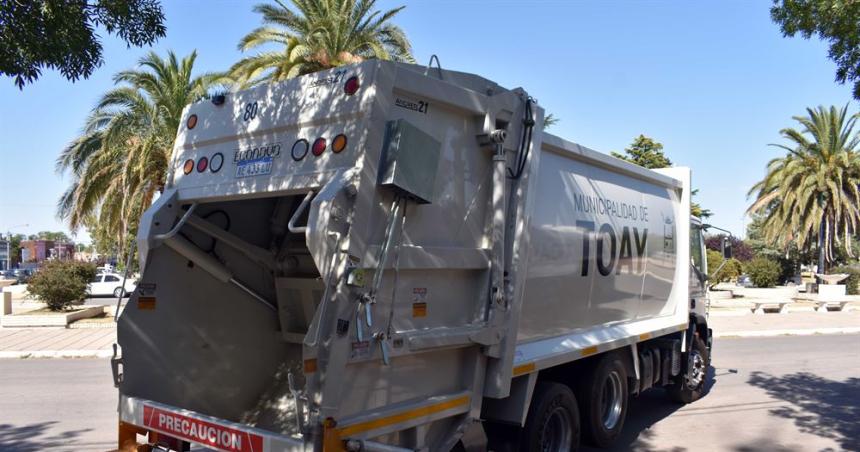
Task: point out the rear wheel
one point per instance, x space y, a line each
119 292
603 401
552 424
691 383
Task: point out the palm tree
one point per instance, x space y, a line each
120 160
320 34
812 191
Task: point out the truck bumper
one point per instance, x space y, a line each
145 417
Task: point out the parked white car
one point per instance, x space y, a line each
110 284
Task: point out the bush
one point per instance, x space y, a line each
763 272
62 283
853 281
731 270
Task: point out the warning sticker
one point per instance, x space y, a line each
360 350
201 432
419 309
146 303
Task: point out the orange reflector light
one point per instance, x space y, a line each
310 365
319 146
192 121
339 143
351 85
188 166
202 164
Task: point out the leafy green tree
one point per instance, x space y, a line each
645 152
121 159
314 35
61 34
716 275
835 21
54 236
812 192
550 120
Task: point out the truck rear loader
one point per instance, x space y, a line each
382 257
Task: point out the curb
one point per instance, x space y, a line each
794 332
15 354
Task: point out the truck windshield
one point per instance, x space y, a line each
697 249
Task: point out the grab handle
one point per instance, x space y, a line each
178 226
304 205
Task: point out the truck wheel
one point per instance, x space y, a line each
603 401
552 424
691 384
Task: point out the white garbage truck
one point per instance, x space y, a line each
383 257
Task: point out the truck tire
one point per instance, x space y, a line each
552 423
603 398
691 383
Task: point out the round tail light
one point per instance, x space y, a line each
339 143
319 146
216 162
300 149
351 86
188 166
202 164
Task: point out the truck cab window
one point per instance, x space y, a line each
697 249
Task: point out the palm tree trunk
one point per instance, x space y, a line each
821 258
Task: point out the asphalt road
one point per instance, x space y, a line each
769 394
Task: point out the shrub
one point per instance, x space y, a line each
731 270
853 281
62 283
763 272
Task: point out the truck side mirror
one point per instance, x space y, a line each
727 248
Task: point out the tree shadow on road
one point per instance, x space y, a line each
35 437
821 407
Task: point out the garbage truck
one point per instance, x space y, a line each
384 257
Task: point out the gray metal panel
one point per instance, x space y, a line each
410 158
571 149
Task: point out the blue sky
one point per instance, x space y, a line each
713 81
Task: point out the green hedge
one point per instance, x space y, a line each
853 280
763 272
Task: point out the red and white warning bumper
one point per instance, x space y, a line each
204 430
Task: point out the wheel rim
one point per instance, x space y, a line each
696 375
118 293
556 434
611 401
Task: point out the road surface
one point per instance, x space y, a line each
771 394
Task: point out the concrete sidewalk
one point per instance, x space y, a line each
792 323
56 342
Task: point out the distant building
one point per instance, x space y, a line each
37 251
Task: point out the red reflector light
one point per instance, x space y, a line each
319 146
202 164
339 143
188 166
192 121
351 85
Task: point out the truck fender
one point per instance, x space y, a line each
513 408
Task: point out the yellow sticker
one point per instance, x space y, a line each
419 309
